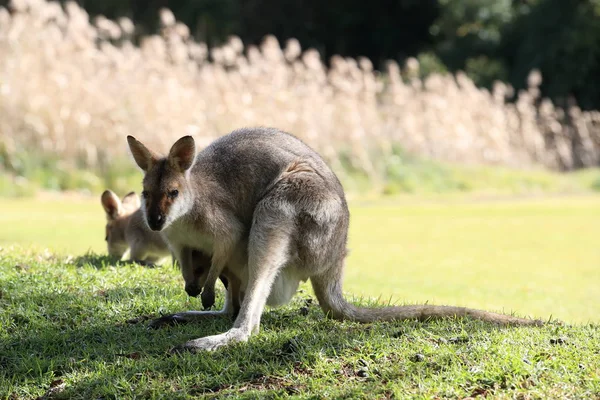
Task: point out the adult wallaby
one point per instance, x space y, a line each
267 206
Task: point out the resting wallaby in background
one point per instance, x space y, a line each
267 206
126 229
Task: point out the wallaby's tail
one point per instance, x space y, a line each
329 293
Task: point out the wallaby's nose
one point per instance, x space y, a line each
156 222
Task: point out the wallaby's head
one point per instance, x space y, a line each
117 215
167 194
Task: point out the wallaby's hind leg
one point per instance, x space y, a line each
328 290
267 255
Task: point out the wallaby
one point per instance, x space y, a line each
265 204
126 229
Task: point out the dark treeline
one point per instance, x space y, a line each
489 39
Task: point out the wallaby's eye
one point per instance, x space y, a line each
173 193
144 194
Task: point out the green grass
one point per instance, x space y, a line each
538 256
79 323
24 173
535 256
79 327
421 176
401 173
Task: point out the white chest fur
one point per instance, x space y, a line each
182 234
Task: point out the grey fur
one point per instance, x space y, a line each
270 210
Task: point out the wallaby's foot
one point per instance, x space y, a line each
168 320
208 298
143 263
211 343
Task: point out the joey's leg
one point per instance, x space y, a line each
233 285
208 290
220 256
187 258
267 254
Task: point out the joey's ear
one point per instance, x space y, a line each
131 201
111 204
183 153
144 157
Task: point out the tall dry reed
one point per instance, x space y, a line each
75 88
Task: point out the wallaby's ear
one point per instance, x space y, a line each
183 153
111 204
144 157
131 201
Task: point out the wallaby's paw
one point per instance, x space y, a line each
167 320
141 262
208 299
211 343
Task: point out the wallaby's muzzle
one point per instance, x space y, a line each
156 222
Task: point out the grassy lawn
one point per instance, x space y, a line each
538 257
75 327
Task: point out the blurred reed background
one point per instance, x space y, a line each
71 89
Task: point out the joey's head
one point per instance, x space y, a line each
117 216
167 194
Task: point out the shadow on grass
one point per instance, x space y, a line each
94 260
100 261
95 337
